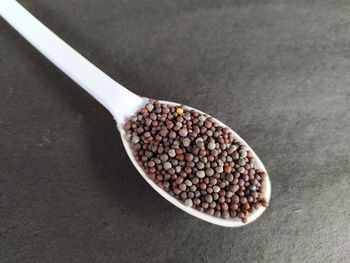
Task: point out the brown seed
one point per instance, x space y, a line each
262 174
229 194
188 170
179 151
188 202
221 199
245 212
225 215
210 158
182 187
209 133
241 170
209 172
228 169
189 157
233 214
170 125
240 214
210 211
196 201
224 206
205 205
186 142
234 188
256 205
265 203
222 193
235 199
208 199
167 165
215 196
197 194
243 200
151 163
200 174
246 206
212 204
233 206
172 135
202 152
217 213
179 180
219 169
211 145
203 186
208 124
240 182
177 191
195 180
180 157
214 153
183 195
216 189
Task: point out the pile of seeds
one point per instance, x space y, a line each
196 160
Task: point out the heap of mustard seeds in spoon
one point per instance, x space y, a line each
196 160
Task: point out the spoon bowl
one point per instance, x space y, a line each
121 102
233 222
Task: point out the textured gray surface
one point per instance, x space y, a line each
278 73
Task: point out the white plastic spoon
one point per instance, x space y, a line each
121 102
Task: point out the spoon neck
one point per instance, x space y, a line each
121 102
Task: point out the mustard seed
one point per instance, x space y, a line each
200 174
208 199
243 200
188 202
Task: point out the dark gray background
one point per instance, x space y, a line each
277 72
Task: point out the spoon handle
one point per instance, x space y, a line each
117 99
